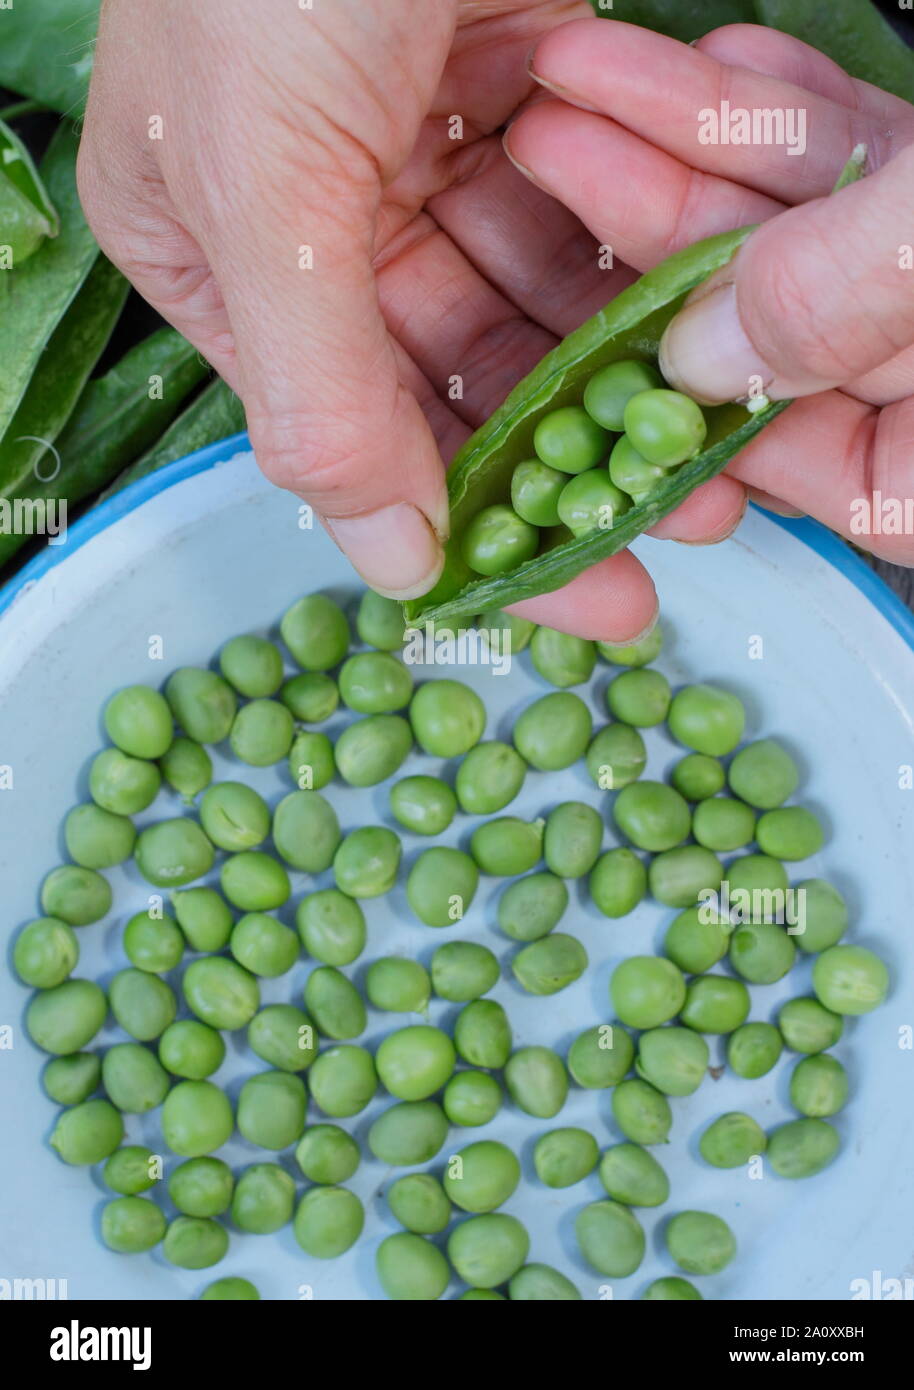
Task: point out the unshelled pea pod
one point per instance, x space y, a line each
27 214
117 415
212 416
34 297
630 326
60 376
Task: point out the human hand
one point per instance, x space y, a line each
819 298
434 261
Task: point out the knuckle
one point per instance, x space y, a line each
793 319
305 454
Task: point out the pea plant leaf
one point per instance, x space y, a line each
27 214
46 50
60 374
853 33
680 19
35 296
215 414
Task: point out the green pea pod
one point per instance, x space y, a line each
35 297
631 325
851 32
61 373
116 417
681 19
46 50
216 414
27 215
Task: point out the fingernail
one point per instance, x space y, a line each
566 93
521 168
781 509
721 535
395 550
639 637
773 504
705 352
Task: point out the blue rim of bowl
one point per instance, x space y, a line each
817 537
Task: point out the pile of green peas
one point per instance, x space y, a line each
592 462
226 864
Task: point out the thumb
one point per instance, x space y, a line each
816 297
329 414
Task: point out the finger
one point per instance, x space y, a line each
516 234
771 504
891 382
449 431
136 225
780 55
815 298
470 342
708 515
844 463
615 601
592 164
671 94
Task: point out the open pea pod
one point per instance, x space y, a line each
27 215
631 326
